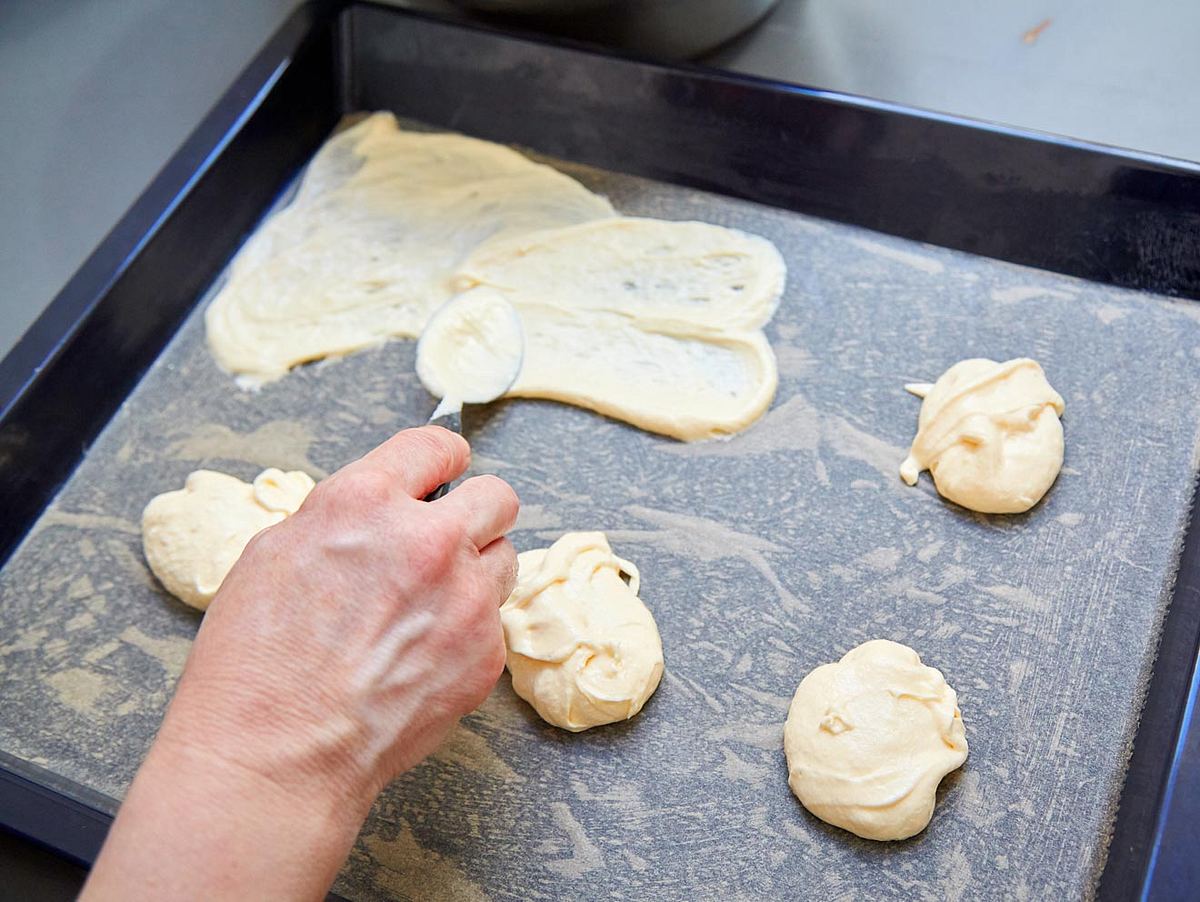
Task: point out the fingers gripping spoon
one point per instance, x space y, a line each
470 352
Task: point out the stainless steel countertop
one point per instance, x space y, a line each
97 95
1115 73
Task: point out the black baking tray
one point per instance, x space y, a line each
1109 215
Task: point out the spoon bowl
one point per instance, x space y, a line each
470 352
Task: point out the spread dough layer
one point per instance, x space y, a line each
989 434
582 647
192 537
653 322
367 249
868 740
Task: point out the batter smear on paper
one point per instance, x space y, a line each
653 322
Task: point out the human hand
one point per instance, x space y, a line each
349 638
341 648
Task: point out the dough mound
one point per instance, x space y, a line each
654 322
192 537
868 740
582 648
989 434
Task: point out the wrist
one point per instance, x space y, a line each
248 780
264 747
251 832
248 700
201 824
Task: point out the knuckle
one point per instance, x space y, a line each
508 578
500 493
453 441
506 553
450 532
434 549
357 489
501 568
444 447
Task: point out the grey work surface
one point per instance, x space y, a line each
95 95
762 557
1114 73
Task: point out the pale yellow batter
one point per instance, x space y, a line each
989 434
583 649
192 537
868 740
367 249
652 322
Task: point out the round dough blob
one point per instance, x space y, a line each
192 537
582 648
989 434
868 740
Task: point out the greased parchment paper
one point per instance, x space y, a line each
761 558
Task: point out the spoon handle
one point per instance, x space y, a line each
452 420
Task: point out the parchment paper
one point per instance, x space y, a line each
762 557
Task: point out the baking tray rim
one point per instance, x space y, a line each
71 819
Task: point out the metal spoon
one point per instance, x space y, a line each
470 352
